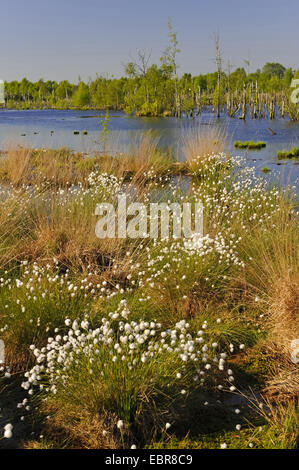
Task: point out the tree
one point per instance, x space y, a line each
238 78
81 96
24 88
288 76
64 89
130 70
169 63
139 68
274 69
169 56
218 60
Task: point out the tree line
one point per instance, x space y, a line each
149 89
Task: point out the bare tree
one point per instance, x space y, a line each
142 62
169 63
218 60
138 67
169 56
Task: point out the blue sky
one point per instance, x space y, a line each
62 39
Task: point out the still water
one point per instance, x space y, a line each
52 128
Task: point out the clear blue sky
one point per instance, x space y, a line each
62 39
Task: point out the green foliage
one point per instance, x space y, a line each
274 69
157 90
293 153
117 386
148 109
169 64
276 429
205 284
32 309
265 169
154 90
249 145
81 96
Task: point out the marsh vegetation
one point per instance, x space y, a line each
165 343
149 89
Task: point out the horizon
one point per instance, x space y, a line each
71 40
105 75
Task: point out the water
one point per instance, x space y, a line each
33 129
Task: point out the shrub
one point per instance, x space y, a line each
249 145
124 367
293 153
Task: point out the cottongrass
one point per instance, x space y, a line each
200 141
97 347
126 367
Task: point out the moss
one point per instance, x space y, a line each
265 169
293 153
249 145
278 431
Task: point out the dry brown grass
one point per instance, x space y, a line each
41 228
23 166
15 165
201 141
284 311
70 427
272 270
58 167
12 230
142 157
62 167
281 419
272 274
67 232
281 280
283 385
283 326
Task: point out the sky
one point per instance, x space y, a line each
65 39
